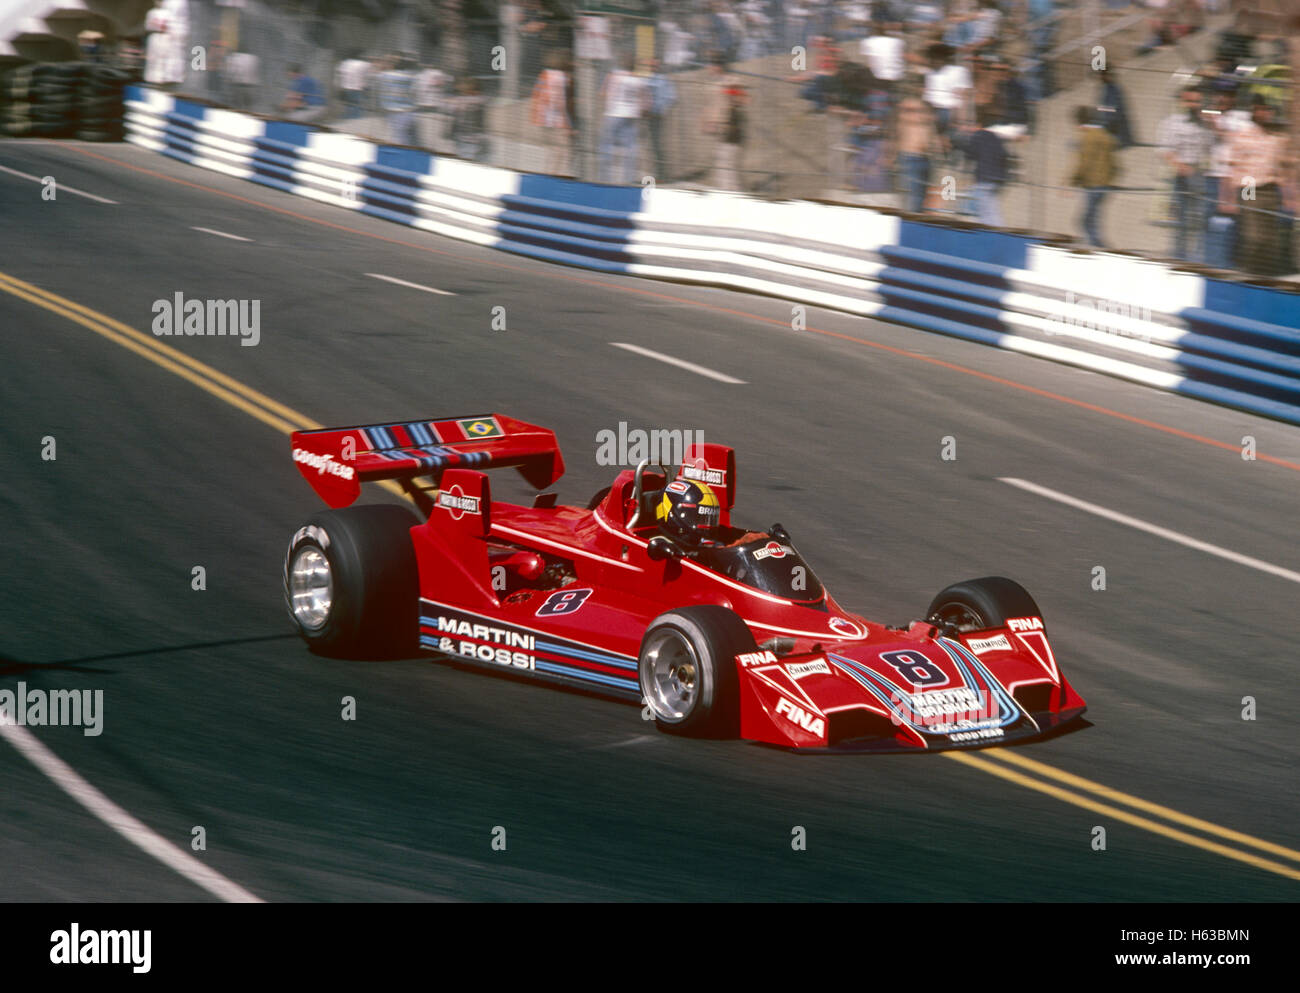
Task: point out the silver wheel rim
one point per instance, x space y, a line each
311 588
961 617
670 675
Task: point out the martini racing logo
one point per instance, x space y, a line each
773 550
457 503
323 464
944 711
700 472
485 643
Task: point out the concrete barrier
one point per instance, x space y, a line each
1228 342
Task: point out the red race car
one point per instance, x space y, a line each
729 634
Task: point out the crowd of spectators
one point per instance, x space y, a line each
911 92
1234 176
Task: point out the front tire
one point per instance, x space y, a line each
350 582
687 670
980 604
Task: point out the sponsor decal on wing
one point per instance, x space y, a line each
701 472
798 670
457 503
998 643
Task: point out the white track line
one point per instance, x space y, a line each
143 837
222 234
680 363
58 187
414 286
1174 536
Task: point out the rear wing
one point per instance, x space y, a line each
336 461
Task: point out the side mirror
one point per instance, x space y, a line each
779 533
661 548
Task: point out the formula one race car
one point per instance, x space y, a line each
733 637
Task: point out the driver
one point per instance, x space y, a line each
690 515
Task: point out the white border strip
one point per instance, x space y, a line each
137 832
1155 529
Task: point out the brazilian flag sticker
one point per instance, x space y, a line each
481 427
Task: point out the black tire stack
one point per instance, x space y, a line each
102 106
63 100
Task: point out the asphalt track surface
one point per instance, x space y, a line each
216 715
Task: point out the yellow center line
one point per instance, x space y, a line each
982 763
271 412
162 349
286 420
1116 796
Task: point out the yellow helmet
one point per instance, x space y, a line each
689 512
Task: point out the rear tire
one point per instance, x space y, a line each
980 604
351 584
687 670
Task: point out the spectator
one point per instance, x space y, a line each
1094 170
947 86
1255 161
726 31
1220 224
983 26
243 73
796 24
351 78
431 103
826 63
550 112
678 49
1185 143
533 22
917 138
397 99
1175 19
304 101
468 120
885 53
1112 109
662 96
168 25
757 27
726 174
1001 96
985 149
625 100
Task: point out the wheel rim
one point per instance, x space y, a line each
311 588
670 675
961 616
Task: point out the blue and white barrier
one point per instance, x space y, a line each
1232 343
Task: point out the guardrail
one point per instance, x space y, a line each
1232 343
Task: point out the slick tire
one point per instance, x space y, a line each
980 604
687 670
350 582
